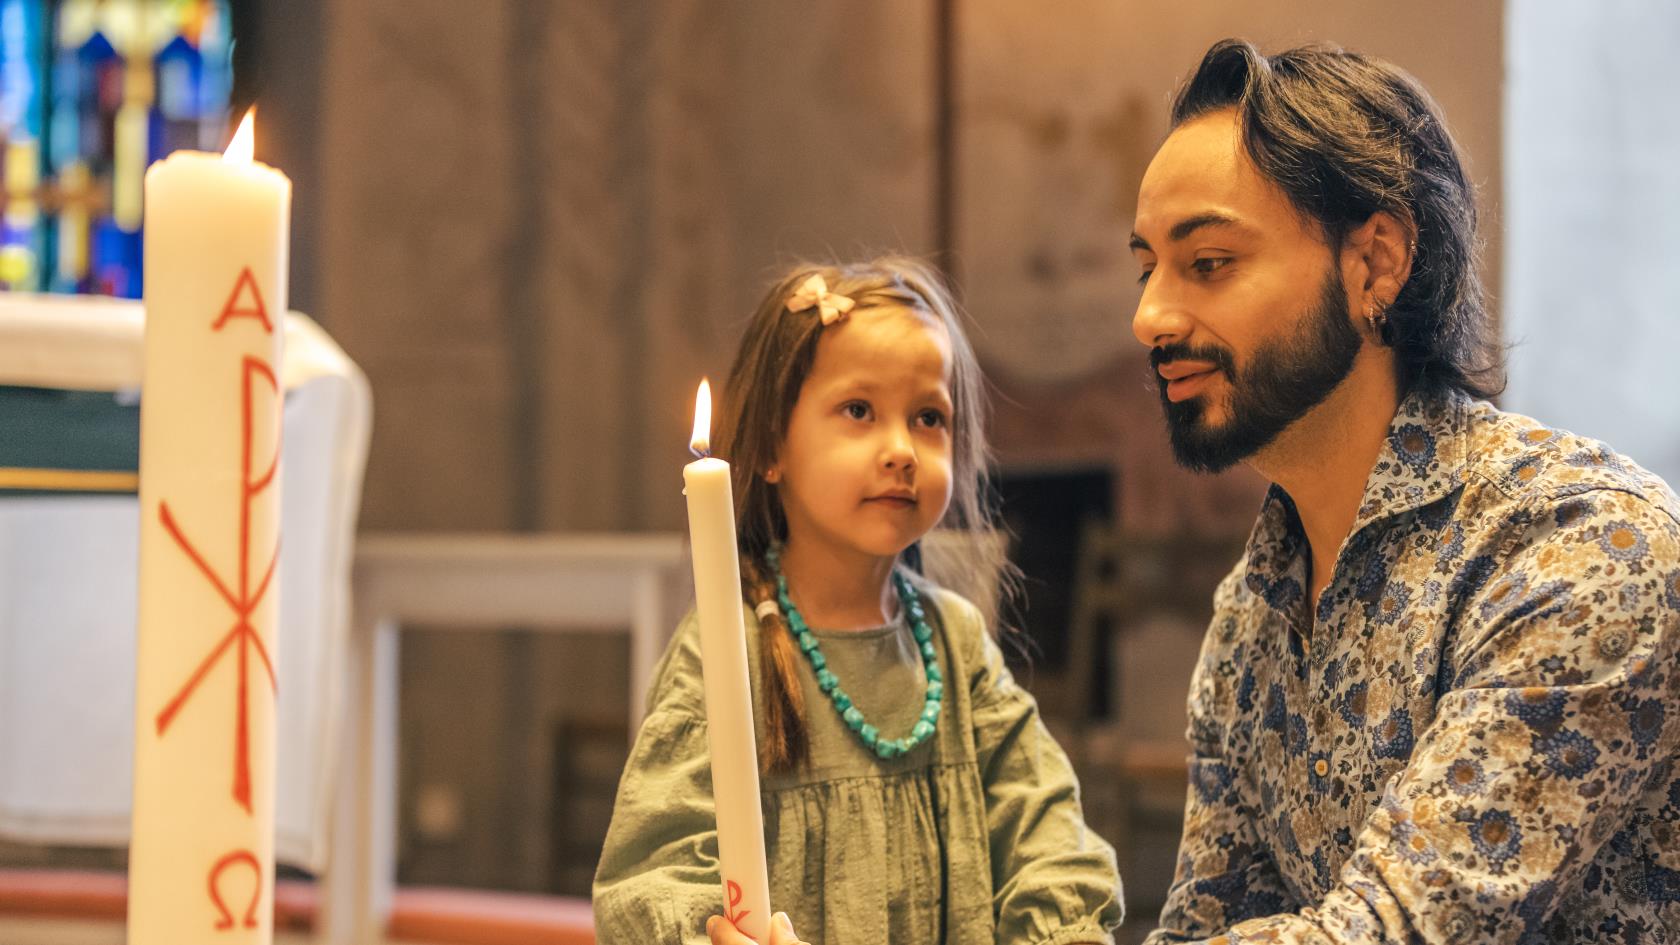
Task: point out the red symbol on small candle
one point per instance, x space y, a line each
242 604
735 900
236 858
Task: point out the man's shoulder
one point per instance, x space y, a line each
1237 609
1233 591
1536 466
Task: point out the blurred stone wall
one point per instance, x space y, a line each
536 224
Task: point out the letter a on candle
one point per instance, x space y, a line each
255 309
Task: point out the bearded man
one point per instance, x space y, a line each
1439 700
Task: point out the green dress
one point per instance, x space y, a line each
975 837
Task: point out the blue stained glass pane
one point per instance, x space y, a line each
21 42
65 73
22 93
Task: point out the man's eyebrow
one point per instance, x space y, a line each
1183 228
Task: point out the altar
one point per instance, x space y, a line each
67 642
68 583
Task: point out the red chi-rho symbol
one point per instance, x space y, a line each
245 602
735 896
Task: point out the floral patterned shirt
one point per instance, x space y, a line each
1473 738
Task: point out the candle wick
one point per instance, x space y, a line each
700 452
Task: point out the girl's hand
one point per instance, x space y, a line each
724 932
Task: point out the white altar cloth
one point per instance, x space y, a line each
68 589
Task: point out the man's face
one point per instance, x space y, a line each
1243 305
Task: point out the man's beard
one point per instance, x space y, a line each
1285 378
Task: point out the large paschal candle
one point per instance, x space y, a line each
201 864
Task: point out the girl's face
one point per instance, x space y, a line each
865 469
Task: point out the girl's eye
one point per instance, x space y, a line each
1144 279
931 418
1210 264
855 409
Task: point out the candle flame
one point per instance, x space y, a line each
243 146
701 444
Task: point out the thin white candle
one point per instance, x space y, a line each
723 655
201 864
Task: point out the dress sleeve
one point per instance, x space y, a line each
1562 706
1054 880
1224 873
658 878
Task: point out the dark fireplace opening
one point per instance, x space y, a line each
1045 511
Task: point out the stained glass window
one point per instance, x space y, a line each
92 92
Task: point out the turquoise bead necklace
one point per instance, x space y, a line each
884 748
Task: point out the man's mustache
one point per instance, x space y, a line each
1184 351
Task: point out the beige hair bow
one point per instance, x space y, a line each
813 293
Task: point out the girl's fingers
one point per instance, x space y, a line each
723 932
782 932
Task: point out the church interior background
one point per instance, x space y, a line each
533 225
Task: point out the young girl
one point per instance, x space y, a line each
911 793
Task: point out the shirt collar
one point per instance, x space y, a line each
1423 459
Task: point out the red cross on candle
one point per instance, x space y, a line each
243 603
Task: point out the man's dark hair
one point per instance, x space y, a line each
1344 136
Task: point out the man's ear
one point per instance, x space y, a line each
1380 253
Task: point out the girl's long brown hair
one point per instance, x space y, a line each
774 359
